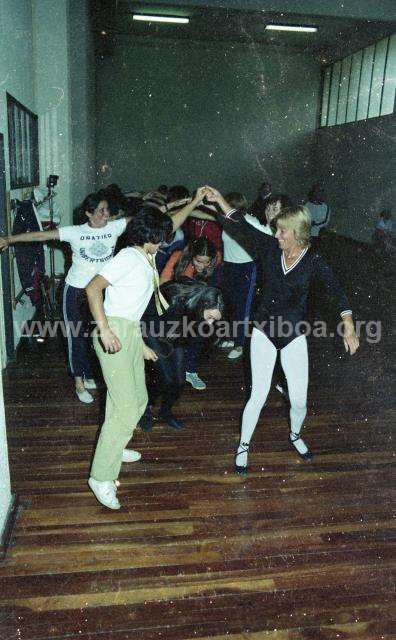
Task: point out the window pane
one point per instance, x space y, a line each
325 96
388 97
28 150
378 78
344 83
23 146
354 86
365 83
18 144
335 85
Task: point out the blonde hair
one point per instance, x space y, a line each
298 219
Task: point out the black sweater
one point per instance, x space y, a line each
169 326
284 292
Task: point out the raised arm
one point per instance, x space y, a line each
234 223
34 236
181 216
326 275
120 216
202 215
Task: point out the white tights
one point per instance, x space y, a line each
294 361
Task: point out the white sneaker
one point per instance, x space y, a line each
89 383
84 396
226 344
129 455
195 381
235 353
105 492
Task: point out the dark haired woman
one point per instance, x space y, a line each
194 301
128 282
289 267
92 244
199 260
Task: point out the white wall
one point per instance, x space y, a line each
82 101
36 41
52 101
16 78
46 62
5 487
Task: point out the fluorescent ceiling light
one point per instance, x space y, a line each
290 27
148 18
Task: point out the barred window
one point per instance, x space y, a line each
23 144
361 85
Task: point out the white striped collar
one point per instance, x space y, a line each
286 269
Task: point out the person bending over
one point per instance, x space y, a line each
189 299
199 261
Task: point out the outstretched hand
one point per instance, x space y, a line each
199 196
212 194
3 244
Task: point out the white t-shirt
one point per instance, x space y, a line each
131 285
91 247
233 252
320 214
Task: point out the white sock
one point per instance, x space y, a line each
242 454
298 443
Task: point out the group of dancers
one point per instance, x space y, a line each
123 286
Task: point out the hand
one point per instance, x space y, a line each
3 243
149 354
351 341
110 341
199 196
213 195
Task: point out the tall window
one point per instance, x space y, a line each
360 86
23 144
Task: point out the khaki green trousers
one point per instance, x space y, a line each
126 398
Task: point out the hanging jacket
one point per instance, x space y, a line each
29 255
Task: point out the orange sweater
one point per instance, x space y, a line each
168 272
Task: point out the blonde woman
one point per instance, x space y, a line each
289 266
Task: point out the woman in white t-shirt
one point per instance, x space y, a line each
128 281
93 245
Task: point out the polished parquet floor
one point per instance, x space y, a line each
294 551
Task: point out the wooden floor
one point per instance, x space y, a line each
294 551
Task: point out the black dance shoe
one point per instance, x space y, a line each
241 470
146 421
171 420
293 437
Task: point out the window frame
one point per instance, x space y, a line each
324 117
24 160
